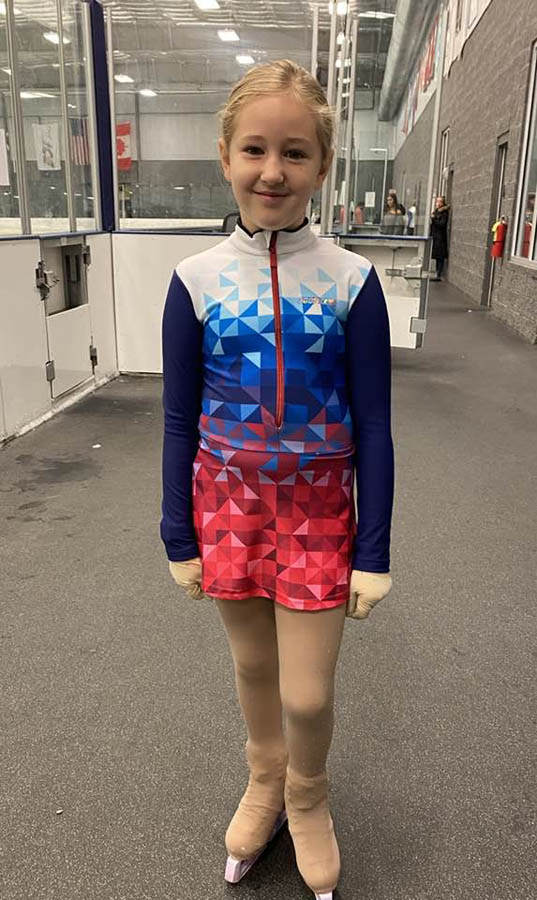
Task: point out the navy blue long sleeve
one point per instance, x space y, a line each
369 384
182 356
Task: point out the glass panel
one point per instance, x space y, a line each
78 107
10 222
527 235
373 139
344 70
39 81
168 93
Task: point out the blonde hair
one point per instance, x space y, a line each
280 76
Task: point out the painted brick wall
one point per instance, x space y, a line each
485 97
411 166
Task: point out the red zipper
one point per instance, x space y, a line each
278 329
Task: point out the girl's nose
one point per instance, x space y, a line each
272 170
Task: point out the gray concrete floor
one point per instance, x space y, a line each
118 705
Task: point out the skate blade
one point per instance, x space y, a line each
236 869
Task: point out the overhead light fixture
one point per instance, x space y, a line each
245 59
35 95
124 79
179 188
3 10
372 14
341 7
227 34
7 71
346 81
147 92
340 38
54 37
207 4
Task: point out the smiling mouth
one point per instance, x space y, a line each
267 194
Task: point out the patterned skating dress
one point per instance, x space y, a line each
276 354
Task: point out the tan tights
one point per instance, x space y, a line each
285 662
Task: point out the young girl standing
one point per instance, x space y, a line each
276 354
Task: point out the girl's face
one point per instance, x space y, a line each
273 162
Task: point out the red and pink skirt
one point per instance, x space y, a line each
283 532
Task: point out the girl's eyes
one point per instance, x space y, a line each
295 154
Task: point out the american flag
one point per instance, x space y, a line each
79 142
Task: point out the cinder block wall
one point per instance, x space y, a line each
485 97
411 166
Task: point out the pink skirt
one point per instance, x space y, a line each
267 528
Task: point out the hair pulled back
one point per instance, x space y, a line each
276 77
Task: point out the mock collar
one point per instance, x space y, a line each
287 241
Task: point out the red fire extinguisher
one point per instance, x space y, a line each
499 235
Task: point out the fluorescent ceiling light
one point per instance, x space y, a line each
7 71
346 81
340 38
35 95
207 4
124 79
245 59
178 188
341 7
54 37
378 149
227 34
376 15
147 92
3 10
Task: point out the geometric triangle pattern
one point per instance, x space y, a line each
230 286
236 307
272 525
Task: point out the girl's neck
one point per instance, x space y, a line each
251 233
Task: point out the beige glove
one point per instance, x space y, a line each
188 575
366 589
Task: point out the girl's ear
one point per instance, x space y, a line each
224 159
324 170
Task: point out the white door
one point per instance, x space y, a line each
67 317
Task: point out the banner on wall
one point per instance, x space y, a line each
47 147
4 167
123 145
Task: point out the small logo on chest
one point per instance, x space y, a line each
317 301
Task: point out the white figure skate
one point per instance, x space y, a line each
237 868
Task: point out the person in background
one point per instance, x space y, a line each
359 217
439 234
393 193
411 221
393 220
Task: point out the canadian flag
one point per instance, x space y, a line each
123 145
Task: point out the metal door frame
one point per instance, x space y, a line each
498 186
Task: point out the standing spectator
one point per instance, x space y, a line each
439 234
412 214
393 221
359 217
393 193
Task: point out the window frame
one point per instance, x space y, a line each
459 16
19 134
530 136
